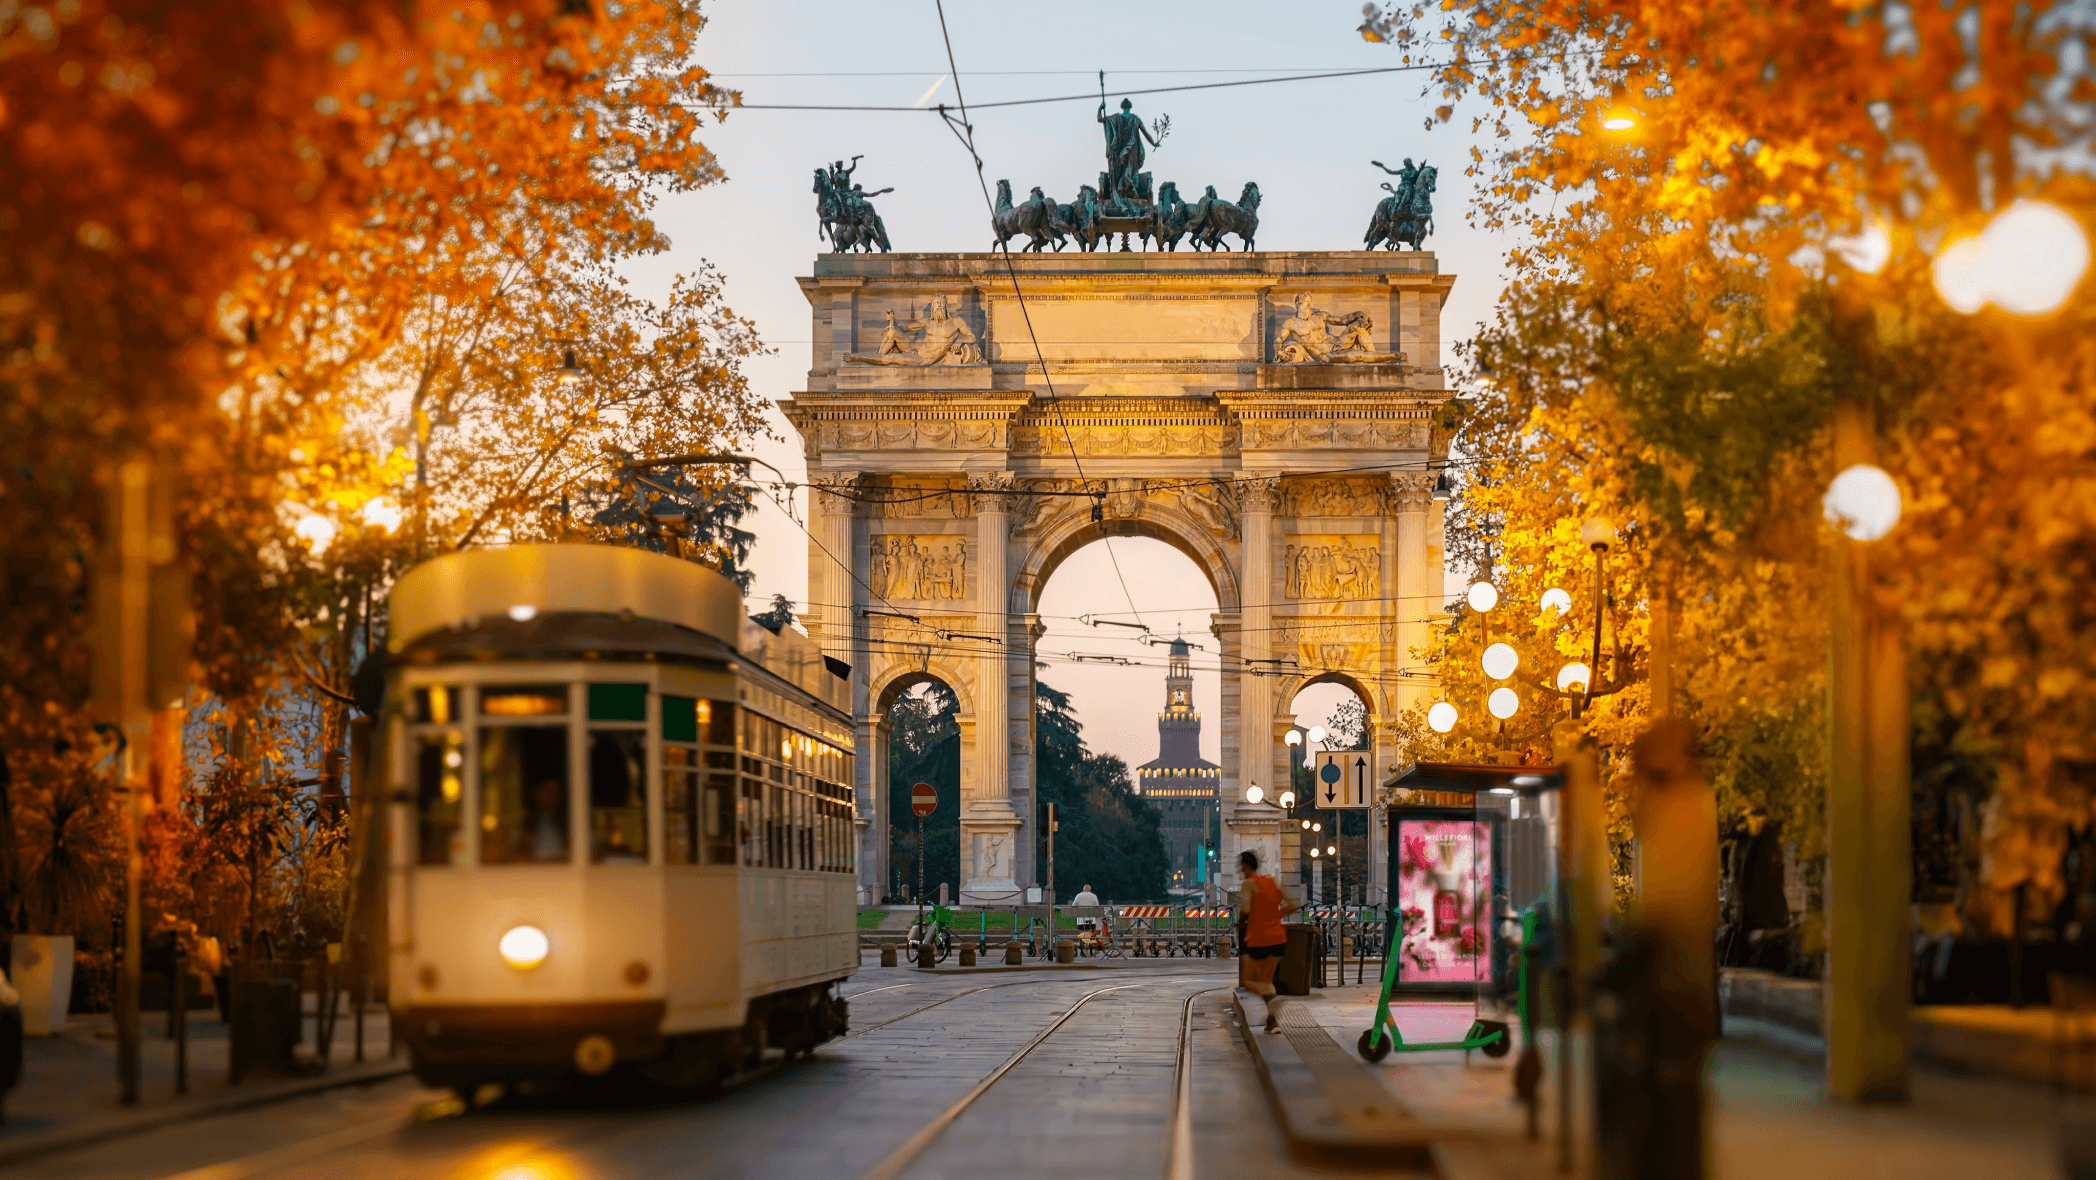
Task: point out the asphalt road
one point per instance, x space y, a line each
1094 1097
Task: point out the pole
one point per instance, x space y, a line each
1869 844
134 590
1049 940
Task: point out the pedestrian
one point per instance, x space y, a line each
1264 938
1085 897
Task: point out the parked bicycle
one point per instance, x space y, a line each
938 927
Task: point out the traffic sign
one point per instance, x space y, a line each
924 799
1343 778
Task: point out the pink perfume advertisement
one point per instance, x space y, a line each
1443 867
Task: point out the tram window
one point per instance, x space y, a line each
535 700
436 705
440 766
524 794
680 806
618 797
619 702
720 819
717 722
750 818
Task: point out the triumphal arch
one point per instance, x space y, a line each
970 420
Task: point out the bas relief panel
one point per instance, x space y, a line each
1335 497
938 499
1327 569
917 569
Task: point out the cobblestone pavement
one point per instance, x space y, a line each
1094 1099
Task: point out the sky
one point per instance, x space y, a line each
1308 144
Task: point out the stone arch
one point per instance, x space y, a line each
891 682
1065 535
1293 687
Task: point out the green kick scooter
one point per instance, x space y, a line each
1382 1036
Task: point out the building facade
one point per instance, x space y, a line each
1180 784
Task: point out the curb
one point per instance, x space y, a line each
1308 1107
51 1142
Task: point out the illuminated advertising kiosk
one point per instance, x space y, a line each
1471 847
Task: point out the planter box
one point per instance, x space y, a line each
42 970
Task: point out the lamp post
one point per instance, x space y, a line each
1869 844
1598 533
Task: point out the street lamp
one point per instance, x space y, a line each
1598 534
1500 661
1863 502
1287 799
1253 794
1572 674
1483 596
569 372
1503 703
1442 717
1557 599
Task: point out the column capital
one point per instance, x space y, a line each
992 493
1411 491
1260 493
837 491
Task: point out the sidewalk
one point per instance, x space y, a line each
68 1092
1768 1112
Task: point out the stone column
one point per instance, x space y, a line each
836 568
989 825
870 809
1256 826
1411 497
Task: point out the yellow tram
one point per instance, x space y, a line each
621 821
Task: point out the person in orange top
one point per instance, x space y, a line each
1265 938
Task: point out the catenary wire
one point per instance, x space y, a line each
1023 102
1011 270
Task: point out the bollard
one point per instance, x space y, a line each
1012 951
1065 951
967 954
927 953
887 954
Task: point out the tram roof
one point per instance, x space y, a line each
458 590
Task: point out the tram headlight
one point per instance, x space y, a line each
524 947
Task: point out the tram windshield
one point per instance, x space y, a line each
523 794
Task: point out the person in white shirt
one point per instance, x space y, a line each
1085 897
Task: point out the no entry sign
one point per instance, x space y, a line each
924 799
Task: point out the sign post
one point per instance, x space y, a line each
924 799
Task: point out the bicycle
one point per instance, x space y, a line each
940 933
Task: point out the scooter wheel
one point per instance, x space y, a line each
1372 1047
1502 1046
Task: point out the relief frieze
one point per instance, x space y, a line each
1335 497
1333 569
917 569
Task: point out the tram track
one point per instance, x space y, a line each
1179 1130
1179 1167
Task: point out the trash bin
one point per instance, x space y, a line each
1297 970
10 1037
266 1020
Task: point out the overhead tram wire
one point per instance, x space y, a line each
1023 102
966 134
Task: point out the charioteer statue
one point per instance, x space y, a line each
843 211
1407 214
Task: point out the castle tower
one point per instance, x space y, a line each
1179 783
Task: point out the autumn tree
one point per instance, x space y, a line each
268 245
1733 218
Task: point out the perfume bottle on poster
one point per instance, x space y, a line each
1448 913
